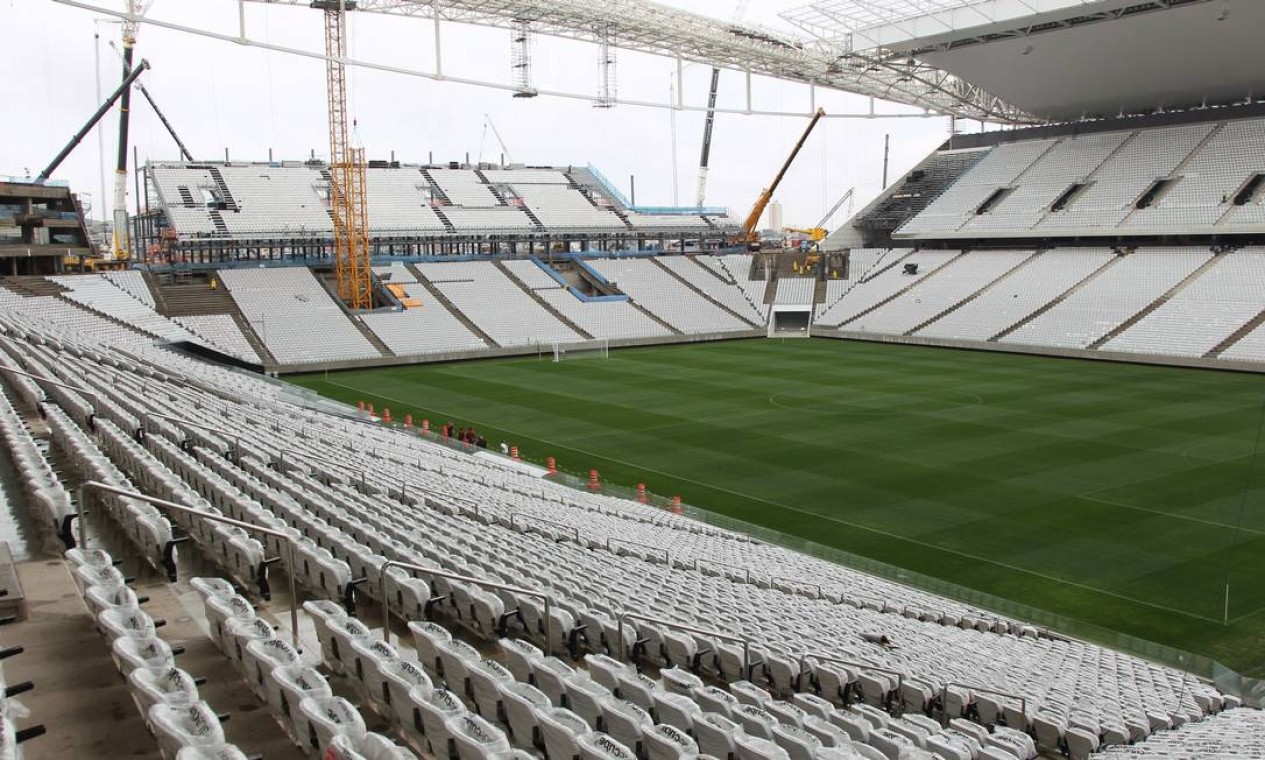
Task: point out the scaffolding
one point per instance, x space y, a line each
347 172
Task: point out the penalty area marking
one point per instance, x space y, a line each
829 518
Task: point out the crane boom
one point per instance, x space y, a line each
748 231
184 152
504 148
707 138
132 76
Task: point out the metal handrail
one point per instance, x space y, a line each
667 557
93 485
746 570
237 438
798 582
803 662
571 528
746 643
944 696
386 606
50 381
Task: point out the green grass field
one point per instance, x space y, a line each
1107 493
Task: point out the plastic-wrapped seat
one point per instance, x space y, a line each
747 747
1016 742
434 709
102 598
341 656
391 692
560 732
889 742
209 587
219 610
945 749
371 746
798 743
664 742
476 738
456 658
261 657
715 734
595 746
427 638
676 710
856 727
151 686
519 656
625 722
1080 743
755 721
327 717
584 697
715 700
550 675
368 656
406 595
521 701
680 681
125 622
606 670
287 687
239 633
485 677
187 725
79 557
217 752
130 653
638 689
86 576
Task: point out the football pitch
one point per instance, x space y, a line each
1119 495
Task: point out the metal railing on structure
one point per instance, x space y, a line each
440 573
287 541
719 635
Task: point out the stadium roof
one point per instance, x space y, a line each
1062 60
660 30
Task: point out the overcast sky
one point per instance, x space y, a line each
220 95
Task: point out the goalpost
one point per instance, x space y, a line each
587 349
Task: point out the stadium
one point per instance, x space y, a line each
341 455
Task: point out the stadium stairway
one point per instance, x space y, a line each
1237 335
543 303
200 300
450 306
1057 300
904 290
976 294
1157 303
702 295
32 286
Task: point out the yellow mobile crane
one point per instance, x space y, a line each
819 233
749 234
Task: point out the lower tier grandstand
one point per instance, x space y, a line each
1175 304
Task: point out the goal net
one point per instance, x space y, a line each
589 349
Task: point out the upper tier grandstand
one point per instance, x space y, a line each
206 213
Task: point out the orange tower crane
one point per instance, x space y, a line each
347 171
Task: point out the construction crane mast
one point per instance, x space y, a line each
347 171
122 246
748 232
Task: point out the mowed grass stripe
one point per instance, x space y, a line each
1071 484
